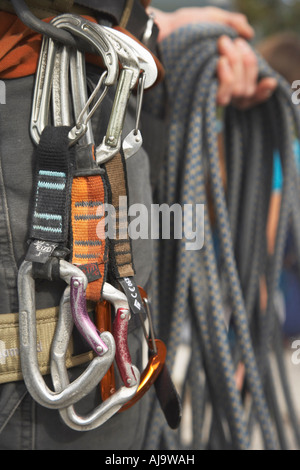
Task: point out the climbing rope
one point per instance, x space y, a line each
196 288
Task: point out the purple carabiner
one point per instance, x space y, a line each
81 317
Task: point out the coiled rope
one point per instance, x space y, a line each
196 287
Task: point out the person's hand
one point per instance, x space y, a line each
238 66
238 75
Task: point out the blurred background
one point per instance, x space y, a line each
267 16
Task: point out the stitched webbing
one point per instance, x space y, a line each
89 247
121 262
54 172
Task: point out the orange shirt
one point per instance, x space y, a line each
20 47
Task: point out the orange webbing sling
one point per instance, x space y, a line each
89 247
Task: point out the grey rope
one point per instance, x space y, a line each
197 286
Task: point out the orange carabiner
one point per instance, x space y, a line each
150 374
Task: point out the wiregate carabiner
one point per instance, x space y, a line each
134 140
128 78
28 340
147 76
97 38
70 71
114 403
65 61
60 83
79 91
42 90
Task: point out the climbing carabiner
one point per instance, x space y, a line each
128 79
133 141
145 58
79 91
28 340
97 41
96 38
42 90
147 75
60 84
157 352
130 374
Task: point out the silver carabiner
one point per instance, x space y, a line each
147 76
79 91
33 379
70 68
145 58
84 117
43 86
112 404
128 78
97 40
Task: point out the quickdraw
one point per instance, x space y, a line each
71 192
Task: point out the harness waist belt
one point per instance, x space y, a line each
46 320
